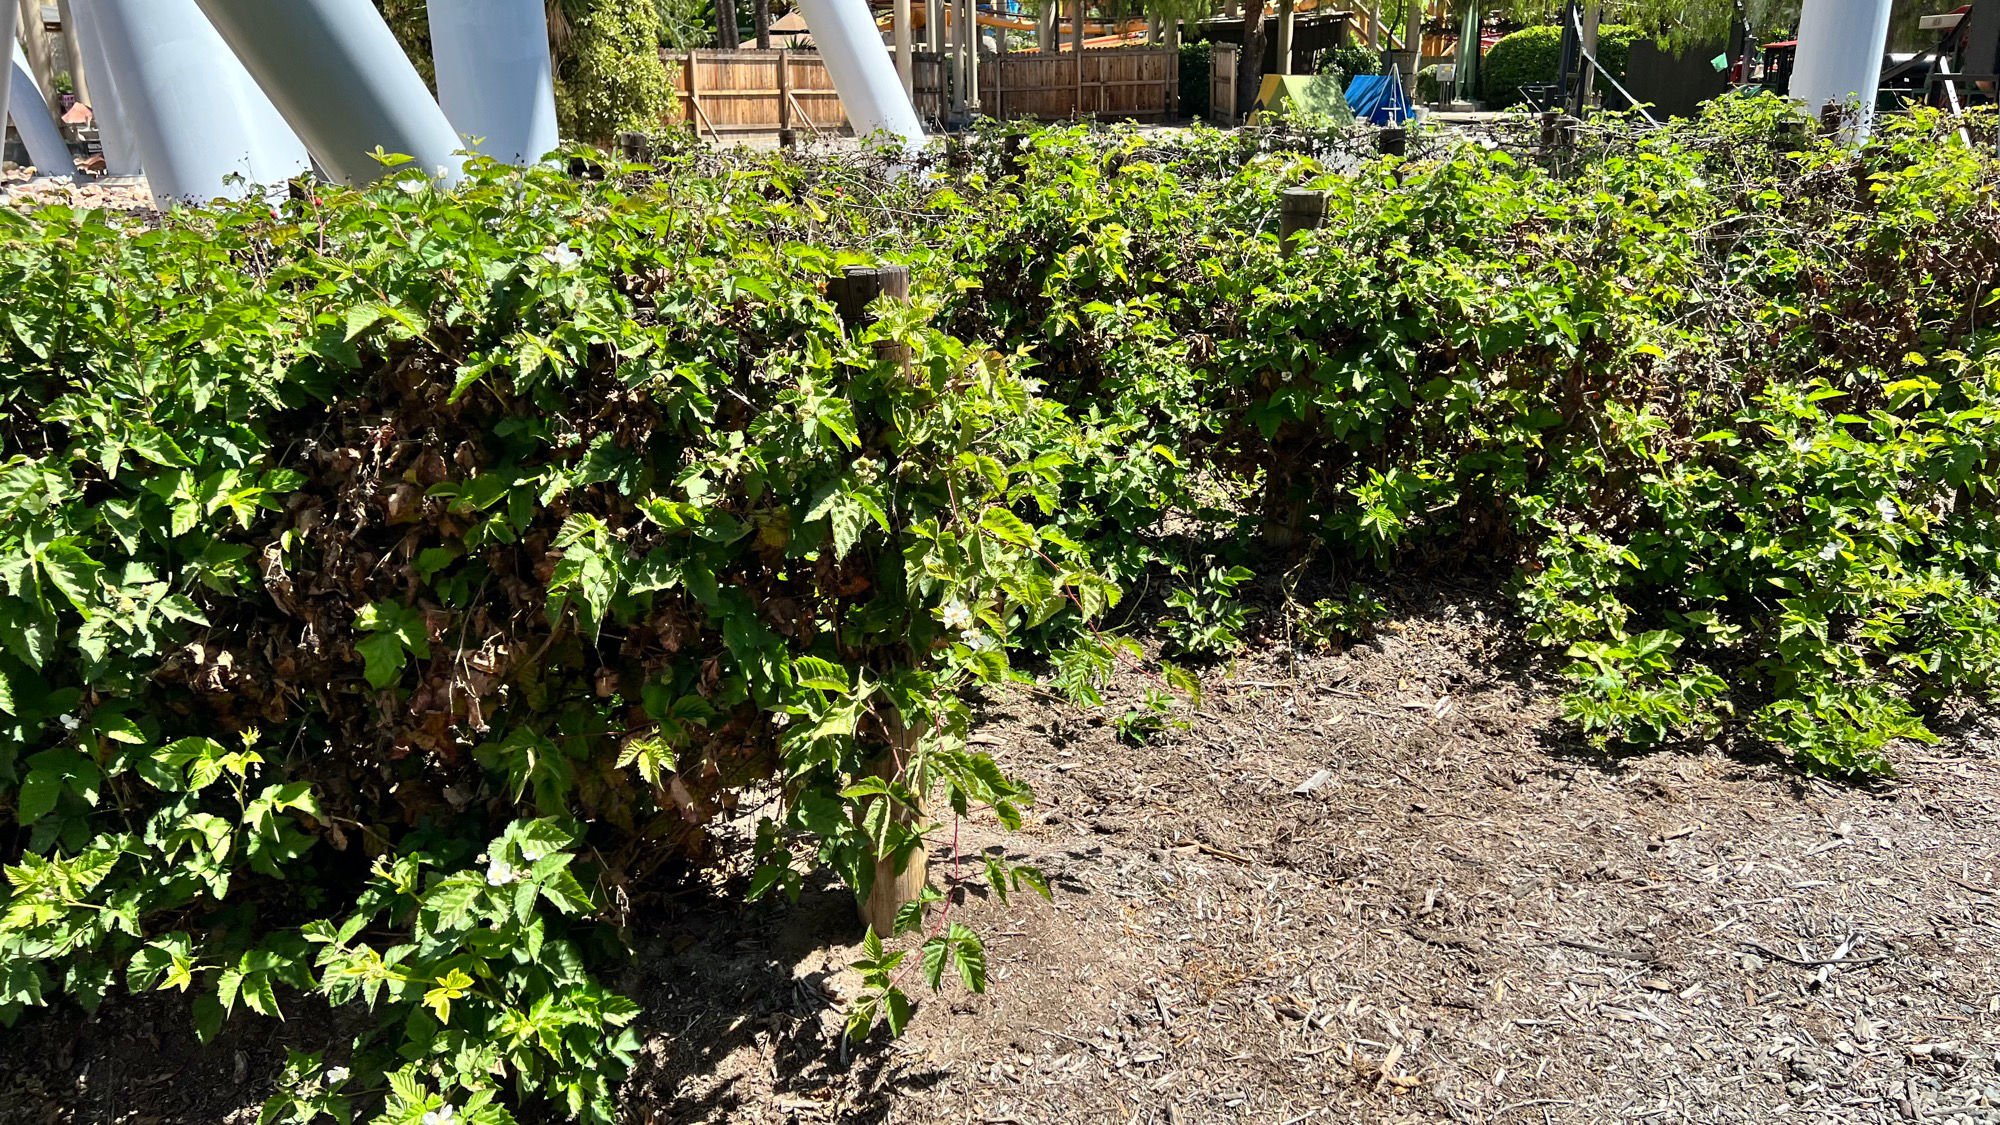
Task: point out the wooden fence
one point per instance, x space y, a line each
726 93
1112 83
1222 85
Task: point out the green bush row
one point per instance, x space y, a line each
402 581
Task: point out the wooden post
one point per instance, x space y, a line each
905 65
892 886
1174 68
934 25
1413 40
972 57
858 286
999 79
1076 42
1285 23
1299 209
949 74
1048 25
855 289
1585 88
788 137
695 113
634 147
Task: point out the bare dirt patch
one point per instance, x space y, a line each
1366 886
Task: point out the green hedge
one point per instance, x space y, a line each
1197 59
400 579
391 576
1531 56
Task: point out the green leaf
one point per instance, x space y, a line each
259 996
208 1016
896 1010
382 659
813 672
453 899
37 797
970 956
1007 527
936 951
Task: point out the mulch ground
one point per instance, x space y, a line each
1370 886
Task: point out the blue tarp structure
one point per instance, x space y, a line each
1378 99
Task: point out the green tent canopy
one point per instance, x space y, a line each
1302 93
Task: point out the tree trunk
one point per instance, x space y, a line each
1250 64
726 35
760 14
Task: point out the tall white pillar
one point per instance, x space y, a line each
9 19
34 122
194 113
336 72
851 47
494 80
114 133
1840 56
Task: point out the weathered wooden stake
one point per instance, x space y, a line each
894 886
856 288
635 148
1299 209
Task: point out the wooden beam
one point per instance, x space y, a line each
1076 44
905 65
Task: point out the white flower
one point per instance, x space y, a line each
442 1115
69 722
562 256
1829 551
499 872
413 185
957 616
335 1075
1885 507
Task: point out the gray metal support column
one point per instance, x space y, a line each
35 123
1840 57
9 17
114 133
336 72
194 113
494 78
851 46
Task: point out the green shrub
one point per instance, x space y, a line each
1346 61
1197 59
1743 479
396 577
1430 87
1531 56
611 78
392 576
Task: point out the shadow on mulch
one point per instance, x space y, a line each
721 982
